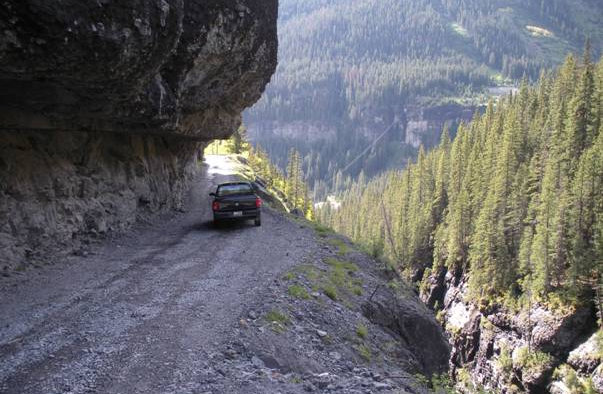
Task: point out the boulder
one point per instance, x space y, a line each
586 357
410 319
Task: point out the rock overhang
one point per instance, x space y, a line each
182 68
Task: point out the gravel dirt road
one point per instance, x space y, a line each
153 311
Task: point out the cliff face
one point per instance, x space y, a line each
497 349
105 105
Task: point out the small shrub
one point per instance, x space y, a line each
364 352
505 361
424 286
464 378
341 265
533 361
573 382
299 292
275 316
309 271
441 317
442 383
330 292
421 379
361 331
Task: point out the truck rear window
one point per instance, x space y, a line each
239 188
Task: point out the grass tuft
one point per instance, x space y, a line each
330 291
299 292
364 352
275 316
361 331
289 276
342 247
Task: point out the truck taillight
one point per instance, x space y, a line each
215 206
258 202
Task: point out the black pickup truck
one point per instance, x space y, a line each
236 201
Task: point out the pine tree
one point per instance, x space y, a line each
515 198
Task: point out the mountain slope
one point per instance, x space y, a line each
349 69
502 230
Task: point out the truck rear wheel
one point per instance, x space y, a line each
258 222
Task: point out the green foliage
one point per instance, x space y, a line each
441 316
352 66
299 292
364 351
342 247
296 190
275 316
278 320
463 378
505 361
340 278
442 383
321 230
574 383
532 361
515 200
439 383
238 143
361 331
289 276
330 291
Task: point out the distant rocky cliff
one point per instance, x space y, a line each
105 105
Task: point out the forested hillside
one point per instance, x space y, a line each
512 207
349 69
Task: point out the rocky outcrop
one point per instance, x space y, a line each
512 351
412 322
105 106
60 189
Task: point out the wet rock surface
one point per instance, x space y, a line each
181 306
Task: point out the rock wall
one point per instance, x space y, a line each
105 105
497 349
185 67
59 189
